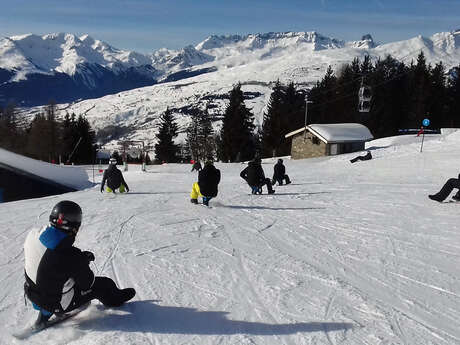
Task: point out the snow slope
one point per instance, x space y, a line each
346 254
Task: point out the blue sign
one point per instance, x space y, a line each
426 122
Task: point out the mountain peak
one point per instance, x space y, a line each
271 39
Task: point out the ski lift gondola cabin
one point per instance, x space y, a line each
365 97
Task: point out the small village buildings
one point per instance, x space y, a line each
318 140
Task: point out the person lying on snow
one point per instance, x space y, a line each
365 157
206 187
254 175
447 189
58 276
114 178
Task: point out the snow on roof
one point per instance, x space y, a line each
70 176
337 132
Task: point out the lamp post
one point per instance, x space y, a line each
96 146
306 114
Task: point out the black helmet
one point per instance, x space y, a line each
112 161
280 160
66 215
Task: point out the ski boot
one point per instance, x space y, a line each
42 320
194 201
206 201
119 298
271 191
435 197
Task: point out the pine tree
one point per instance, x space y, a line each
37 145
236 137
419 89
322 96
166 150
437 108
272 127
85 152
191 140
294 105
206 135
453 100
12 136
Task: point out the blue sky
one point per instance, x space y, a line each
147 25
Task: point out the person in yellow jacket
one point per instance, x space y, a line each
206 187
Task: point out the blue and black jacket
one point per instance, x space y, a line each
55 270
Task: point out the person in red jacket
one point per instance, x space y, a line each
58 278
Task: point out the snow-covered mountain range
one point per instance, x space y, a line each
67 68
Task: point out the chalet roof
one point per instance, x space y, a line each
337 132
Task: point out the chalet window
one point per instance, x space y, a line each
334 149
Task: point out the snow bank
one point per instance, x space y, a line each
70 176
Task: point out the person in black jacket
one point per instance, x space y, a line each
58 276
365 157
255 177
279 173
206 187
447 189
114 178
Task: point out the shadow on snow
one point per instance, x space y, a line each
145 316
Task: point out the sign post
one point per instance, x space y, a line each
425 123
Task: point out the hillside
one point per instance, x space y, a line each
347 254
256 61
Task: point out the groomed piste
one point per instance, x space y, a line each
346 254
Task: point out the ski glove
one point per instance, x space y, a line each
89 256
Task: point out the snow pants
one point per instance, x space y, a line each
262 183
280 180
121 189
448 187
104 289
195 193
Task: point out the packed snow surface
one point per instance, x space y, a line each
346 254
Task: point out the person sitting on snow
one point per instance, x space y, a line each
447 189
114 178
279 173
58 276
254 175
206 187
